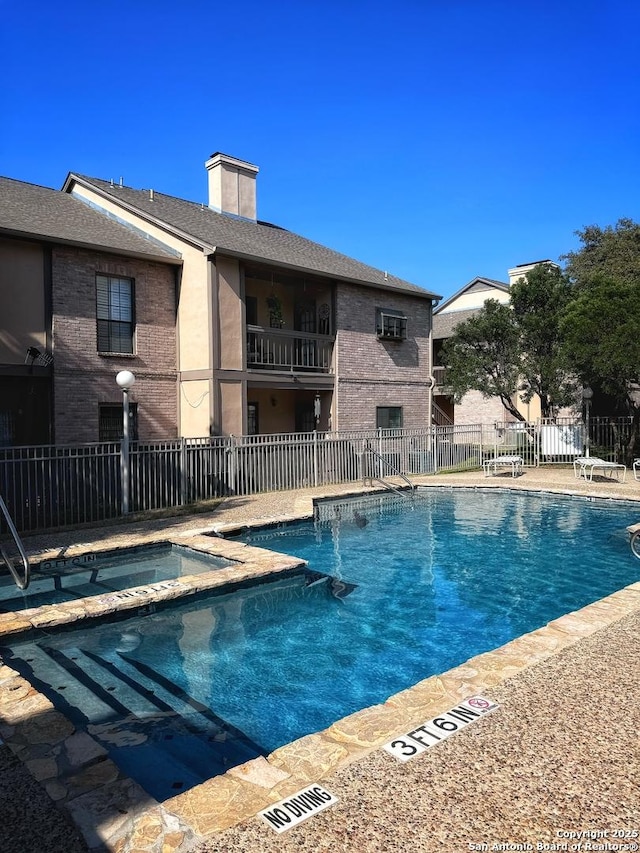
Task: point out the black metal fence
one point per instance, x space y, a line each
48 486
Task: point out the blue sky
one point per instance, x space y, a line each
438 140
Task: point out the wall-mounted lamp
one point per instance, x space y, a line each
32 353
274 401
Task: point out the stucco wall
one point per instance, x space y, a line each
22 300
230 314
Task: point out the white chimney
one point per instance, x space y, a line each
232 186
522 269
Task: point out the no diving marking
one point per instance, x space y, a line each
287 813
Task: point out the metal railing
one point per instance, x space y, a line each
47 486
21 582
439 416
440 375
273 349
374 466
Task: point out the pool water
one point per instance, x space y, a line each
397 590
66 579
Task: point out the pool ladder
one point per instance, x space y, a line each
370 478
21 582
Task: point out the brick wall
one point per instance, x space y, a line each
476 409
372 372
82 377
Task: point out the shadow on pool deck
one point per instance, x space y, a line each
560 755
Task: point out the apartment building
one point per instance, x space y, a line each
231 325
474 408
64 330
276 333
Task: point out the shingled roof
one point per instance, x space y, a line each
444 324
243 238
29 210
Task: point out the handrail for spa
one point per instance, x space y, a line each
21 582
371 478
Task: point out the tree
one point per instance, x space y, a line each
611 251
601 328
538 302
483 355
601 339
503 351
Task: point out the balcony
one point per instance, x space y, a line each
440 376
276 349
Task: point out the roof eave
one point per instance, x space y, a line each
212 250
162 224
498 286
261 259
79 244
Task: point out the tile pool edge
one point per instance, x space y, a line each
249 563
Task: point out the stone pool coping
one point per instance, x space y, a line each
115 814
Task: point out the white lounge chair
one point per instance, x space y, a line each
584 466
636 469
490 466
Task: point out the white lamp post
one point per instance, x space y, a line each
125 380
587 396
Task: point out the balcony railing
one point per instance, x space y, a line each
276 349
440 375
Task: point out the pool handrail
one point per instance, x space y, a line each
21 583
385 483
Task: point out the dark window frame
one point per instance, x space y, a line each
391 325
388 417
251 310
114 334
110 421
253 419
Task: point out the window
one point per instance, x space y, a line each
253 424
110 425
251 303
391 325
305 416
114 312
389 417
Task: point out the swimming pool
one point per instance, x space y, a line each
396 591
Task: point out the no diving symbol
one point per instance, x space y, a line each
478 702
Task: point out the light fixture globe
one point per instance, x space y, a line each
125 379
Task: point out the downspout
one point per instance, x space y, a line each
47 280
177 284
213 312
431 378
432 384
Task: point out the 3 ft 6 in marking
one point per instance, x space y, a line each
439 728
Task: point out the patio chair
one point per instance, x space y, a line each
508 461
636 469
584 466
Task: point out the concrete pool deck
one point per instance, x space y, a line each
559 755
